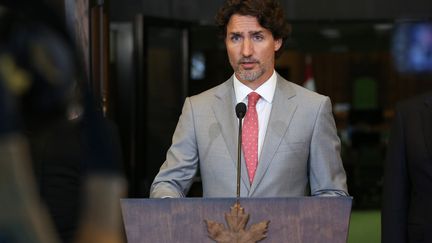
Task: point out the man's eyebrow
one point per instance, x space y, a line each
255 32
235 33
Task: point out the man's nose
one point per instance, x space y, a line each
247 48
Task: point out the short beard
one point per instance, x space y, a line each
249 75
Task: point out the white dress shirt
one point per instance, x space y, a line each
264 105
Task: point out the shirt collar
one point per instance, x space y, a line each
266 90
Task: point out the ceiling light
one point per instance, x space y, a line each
330 33
383 27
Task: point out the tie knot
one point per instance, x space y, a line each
253 98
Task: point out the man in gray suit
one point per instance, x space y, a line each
296 143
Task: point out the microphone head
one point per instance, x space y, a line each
240 110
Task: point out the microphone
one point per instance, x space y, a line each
240 112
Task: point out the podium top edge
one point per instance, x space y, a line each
341 198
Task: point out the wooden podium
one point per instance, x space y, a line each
292 220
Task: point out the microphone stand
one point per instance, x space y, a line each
240 110
239 157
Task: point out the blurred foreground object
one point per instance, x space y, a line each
23 219
407 195
75 159
38 72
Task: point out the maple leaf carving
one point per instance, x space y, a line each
236 232
237 218
256 232
218 232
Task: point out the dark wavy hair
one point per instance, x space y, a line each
269 14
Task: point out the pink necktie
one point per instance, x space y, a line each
250 135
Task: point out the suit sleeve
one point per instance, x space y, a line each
326 172
177 172
395 188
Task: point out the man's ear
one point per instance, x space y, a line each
278 44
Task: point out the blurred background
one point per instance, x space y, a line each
134 62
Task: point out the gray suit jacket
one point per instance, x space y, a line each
300 154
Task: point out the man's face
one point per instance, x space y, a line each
251 50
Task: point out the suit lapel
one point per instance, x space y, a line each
282 111
224 110
427 123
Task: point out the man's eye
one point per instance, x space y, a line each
235 38
258 38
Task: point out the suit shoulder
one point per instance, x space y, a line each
305 94
205 93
